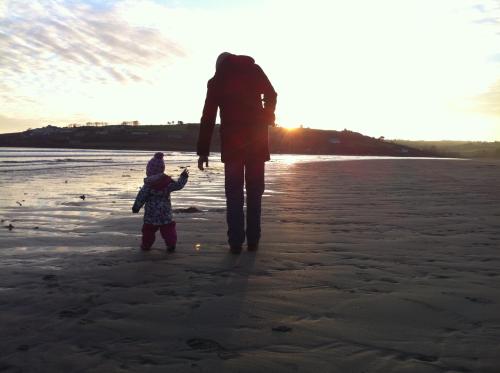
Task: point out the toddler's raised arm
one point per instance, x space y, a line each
179 184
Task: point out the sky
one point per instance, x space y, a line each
402 69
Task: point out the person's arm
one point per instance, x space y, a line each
207 124
270 97
141 199
179 184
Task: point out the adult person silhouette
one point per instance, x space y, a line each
247 101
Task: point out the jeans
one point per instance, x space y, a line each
238 173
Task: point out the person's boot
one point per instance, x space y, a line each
235 249
253 246
171 249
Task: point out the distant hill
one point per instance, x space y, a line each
184 136
460 149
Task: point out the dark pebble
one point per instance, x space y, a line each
189 210
282 328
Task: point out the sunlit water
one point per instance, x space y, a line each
44 188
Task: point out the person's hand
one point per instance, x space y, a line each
135 210
185 173
202 159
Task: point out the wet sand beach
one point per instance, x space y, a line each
383 265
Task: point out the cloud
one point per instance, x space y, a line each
487 17
489 102
77 41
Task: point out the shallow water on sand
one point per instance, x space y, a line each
56 191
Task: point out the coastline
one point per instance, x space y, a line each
183 137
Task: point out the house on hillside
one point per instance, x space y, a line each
133 123
96 124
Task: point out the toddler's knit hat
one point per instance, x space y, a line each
156 165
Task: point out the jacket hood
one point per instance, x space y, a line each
158 182
228 61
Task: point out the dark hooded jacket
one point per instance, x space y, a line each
247 101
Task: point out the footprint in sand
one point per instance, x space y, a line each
105 264
388 279
51 281
113 315
208 345
4 367
202 344
85 321
172 293
479 300
73 312
145 360
426 358
115 285
195 305
402 356
442 277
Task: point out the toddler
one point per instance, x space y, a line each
155 193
